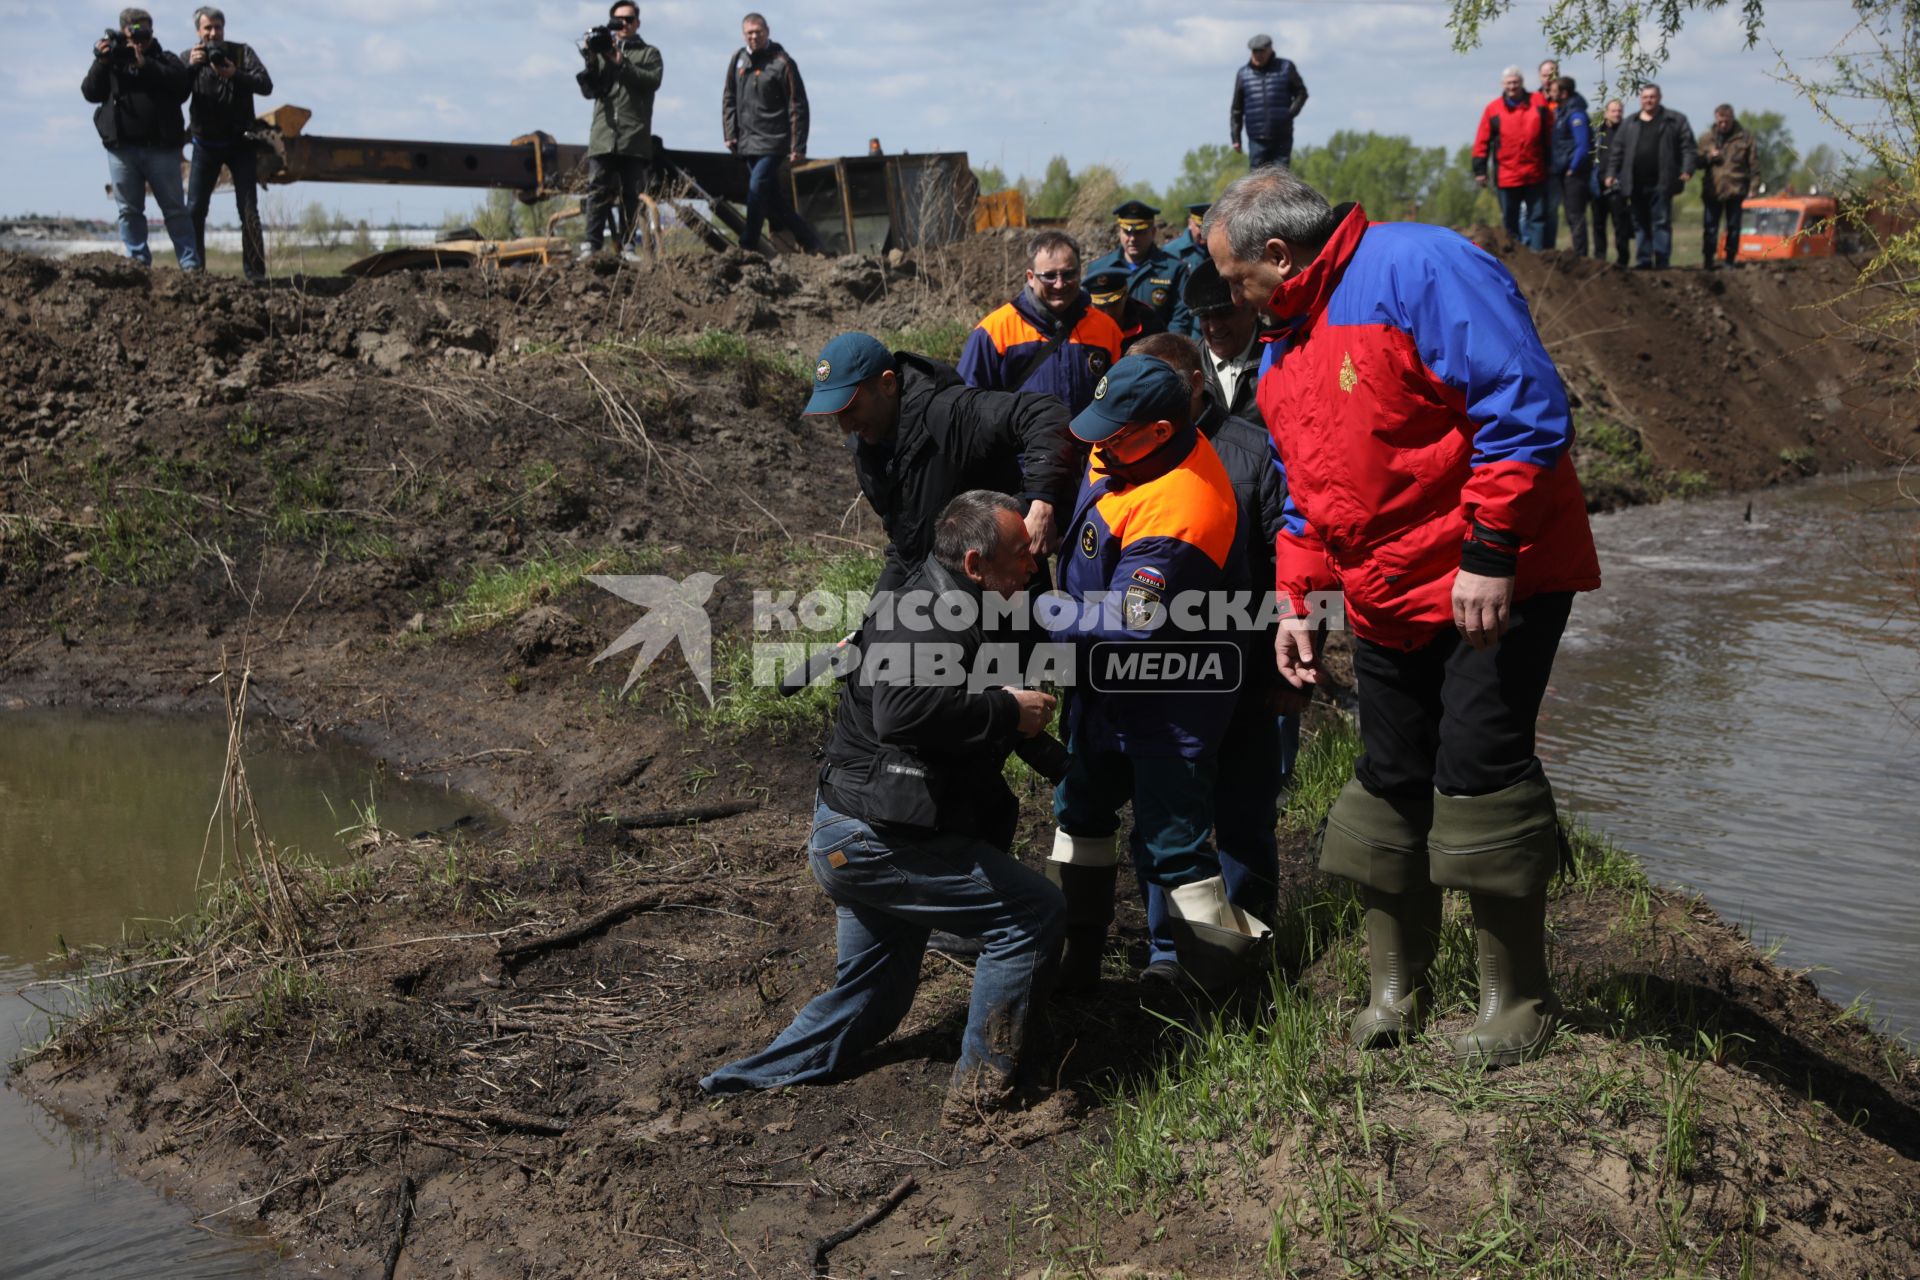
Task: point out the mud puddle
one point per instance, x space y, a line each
1740 707
102 825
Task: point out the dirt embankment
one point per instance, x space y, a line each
384 494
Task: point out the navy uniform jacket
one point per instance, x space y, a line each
1136 547
1157 281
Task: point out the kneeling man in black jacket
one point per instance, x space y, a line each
913 822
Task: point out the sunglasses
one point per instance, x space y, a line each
624 20
1055 277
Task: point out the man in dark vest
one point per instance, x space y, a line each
1267 94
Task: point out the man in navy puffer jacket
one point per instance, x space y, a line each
1267 94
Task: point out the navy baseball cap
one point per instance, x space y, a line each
1136 389
844 363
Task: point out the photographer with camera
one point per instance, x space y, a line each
225 76
621 75
139 88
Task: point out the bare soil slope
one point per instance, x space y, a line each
382 495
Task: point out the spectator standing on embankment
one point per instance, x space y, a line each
226 74
621 79
1268 94
764 120
1424 434
1726 163
1513 149
1649 162
1609 206
139 87
1049 339
1572 160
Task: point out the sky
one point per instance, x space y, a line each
1131 85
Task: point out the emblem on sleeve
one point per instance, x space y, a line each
1089 541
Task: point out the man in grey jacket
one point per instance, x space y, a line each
763 117
1649 161
621 76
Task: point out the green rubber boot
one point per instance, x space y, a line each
1518 1012
1403 934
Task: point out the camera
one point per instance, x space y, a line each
217 54
597 40
119 48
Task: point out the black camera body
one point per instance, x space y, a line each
119 48
597 40
217 53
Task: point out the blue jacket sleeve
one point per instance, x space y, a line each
1582 140
980 362
1476 337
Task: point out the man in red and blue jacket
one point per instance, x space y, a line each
1514 145
1154 540
1424 434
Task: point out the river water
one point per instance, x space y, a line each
102 821
1740 706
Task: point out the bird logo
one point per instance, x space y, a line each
675 611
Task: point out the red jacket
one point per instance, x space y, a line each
1519 138
1419 423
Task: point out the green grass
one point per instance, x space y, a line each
746 696
500 593
941 341
1612 458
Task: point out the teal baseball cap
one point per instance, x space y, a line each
1136 389
844 363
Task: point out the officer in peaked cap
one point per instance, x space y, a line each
1108 290
1190 248
1154 276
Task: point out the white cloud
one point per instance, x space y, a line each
1008 81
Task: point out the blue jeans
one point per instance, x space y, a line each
132 170
1256 758
768 201
1279 151
892 887
238 159
1172 809
1652 227
1524 211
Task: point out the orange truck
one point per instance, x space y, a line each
1789 226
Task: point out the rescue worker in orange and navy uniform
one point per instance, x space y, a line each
1050 340
1155 532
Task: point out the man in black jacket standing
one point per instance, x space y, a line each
139 88
225 76
920 436
763 117
1267 94
913 821
1650 159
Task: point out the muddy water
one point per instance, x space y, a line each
1740 706
101 827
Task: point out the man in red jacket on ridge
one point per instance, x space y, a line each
1424 434
1515 145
